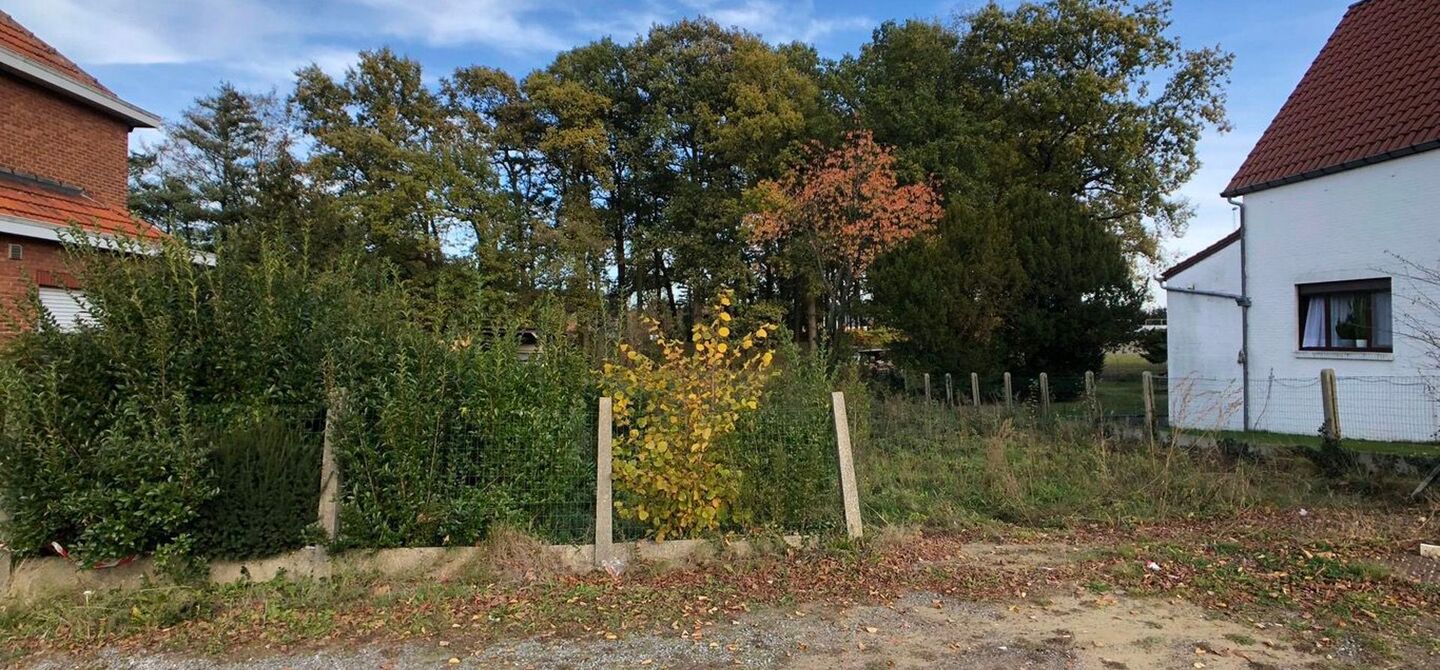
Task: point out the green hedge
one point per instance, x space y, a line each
188 413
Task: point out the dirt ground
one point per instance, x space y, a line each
920 631
1070 627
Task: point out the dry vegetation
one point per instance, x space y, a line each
1083 517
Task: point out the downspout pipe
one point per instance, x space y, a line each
1244 314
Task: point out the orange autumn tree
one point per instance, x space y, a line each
828 219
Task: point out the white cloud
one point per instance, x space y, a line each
116 32
507 25
779 21
256 35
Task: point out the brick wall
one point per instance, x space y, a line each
44 134
43 264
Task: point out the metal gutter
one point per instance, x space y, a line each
1230 194
1239 299
64 234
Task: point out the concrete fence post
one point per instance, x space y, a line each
1044 395
1330 401
1147 388
975 388
927 387
949 390
1009 394
849 494
329 512
604 491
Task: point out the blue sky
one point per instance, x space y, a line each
161 54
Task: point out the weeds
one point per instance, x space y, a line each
940 468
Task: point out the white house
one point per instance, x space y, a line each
1340 191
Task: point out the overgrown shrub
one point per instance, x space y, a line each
267 487
138 430
106 433
673 414
445 436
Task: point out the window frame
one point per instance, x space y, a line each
1370 287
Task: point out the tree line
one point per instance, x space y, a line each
972 194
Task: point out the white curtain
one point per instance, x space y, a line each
1341 307
1314 323
1383 327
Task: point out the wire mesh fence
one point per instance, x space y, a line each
438 479
785 462
1403 409
1389 408
447 478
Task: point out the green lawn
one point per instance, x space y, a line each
1124 364
1313 442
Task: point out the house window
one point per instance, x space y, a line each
1346 316
68 307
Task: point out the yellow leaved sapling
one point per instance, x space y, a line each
672 411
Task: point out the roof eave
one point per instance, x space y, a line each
49 232
1215 248
1329 170
49 78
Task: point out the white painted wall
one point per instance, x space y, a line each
1203 343
1348 225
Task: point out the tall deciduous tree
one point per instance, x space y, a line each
832 216
383 146
1061 130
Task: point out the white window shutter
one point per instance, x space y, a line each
69 308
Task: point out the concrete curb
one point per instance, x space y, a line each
39 577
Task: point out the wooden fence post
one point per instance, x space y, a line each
1330 401
4 558
927 388
1147 388
949 391
329 512
1092 405
604 493
1009 394
848 492
975 388
1044 395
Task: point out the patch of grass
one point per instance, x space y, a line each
1128 364
1260 438
943 468
1150 642
1098 587
1240 639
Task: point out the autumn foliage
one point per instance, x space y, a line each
831 217
671 412
847 203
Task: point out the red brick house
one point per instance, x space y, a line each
63 150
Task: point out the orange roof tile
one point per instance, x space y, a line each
37 203
1373 93
17 39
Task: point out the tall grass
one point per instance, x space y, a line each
938 467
